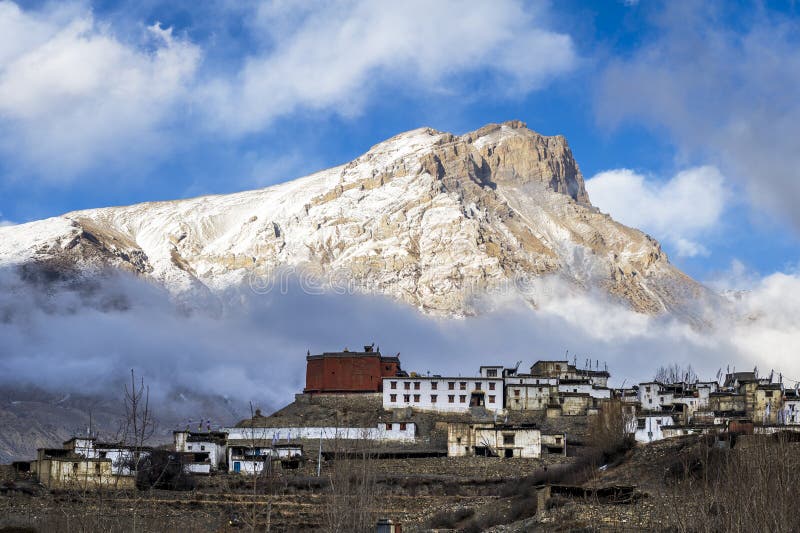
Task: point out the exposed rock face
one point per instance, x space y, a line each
427 217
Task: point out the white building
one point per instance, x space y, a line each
494 440
791 408
253 456
390 432
123 458
648 426
654 395
444 394
584 387
205 450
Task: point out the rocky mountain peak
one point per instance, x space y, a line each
427 217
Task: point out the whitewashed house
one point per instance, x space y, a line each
123 458
202 452
387 432
649 426
791 407
444 394
654 396
494 440
252 457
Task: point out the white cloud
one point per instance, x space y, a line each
94 332
72 95
724 95
335 56
678 210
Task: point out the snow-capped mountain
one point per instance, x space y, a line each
427 217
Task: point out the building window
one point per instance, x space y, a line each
393 397
388 426
516 392
406 398
394 384
416 397
641 423
434 385
492 373
574 390
433 398
451 385
491 386
451 398
462 385
190 446
74 467
406 385
97 469
402 426
768 394
202 448
491 398
462 399
516 402
508 438
416 385
478 385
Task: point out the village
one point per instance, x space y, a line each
498 412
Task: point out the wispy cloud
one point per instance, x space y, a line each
336 57
725 94
73 96
678 210
69 335
77 93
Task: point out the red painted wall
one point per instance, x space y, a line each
356 373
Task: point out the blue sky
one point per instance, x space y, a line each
683 116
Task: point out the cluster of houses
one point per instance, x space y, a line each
743 402
474 409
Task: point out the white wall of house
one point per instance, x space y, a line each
585 388
215 450
648 427
504 441
652 396
381 433
121 457
444 394
197 468
494 371
791 411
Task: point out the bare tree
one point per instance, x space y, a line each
351 501
675 373
610 430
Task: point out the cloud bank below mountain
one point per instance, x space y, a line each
70 337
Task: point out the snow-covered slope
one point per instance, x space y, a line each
426 217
